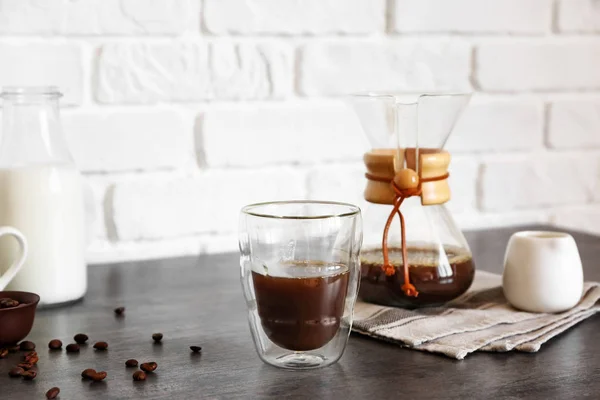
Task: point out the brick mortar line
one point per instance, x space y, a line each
301 100
482 156
297 40
195 172
481 97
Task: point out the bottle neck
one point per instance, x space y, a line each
31 132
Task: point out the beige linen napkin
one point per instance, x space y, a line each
479 320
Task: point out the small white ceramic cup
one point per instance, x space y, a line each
542 272
10 273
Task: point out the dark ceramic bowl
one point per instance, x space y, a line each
16 322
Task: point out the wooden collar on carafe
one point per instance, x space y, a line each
386 185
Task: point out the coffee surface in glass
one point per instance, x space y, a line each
301 307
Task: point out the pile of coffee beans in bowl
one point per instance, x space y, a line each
7 302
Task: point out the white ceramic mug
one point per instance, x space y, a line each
542 272
10 273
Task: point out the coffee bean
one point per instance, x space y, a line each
149 366
98 376
16 372
73 348
131 363
13 349
3 353
29 375
139 376
101 346
55 344
8 303
32 360
157 337
27 345
119 310
52 393
81 338
87 373
31 357
25 365
91 373
196 349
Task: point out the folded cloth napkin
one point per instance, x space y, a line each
479 320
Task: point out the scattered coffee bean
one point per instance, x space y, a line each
8 303
157 337
73 348
16 372
196 349
98 376
32 360
119 310
55 344
25 365
3 353
149 366
139 376
27 345
52 393
31 357
131 363
101 346
29 375
81 338
13 349
87 373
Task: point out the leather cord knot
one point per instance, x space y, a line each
405 184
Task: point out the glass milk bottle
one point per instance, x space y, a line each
41 195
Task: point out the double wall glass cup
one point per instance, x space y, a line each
300 272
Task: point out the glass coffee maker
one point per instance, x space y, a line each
413 253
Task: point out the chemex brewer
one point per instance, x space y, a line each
413 253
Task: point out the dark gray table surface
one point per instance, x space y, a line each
198 301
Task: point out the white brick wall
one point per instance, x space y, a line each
128 140
539 65
472 16
188 72
545 180
97 17
181 111
408 65
38 64
579 16
574 124
294 16
279 134
155 208
491 125
583 218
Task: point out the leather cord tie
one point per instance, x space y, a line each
405 184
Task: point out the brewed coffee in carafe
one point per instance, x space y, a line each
413 252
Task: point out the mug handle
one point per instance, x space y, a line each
16 266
